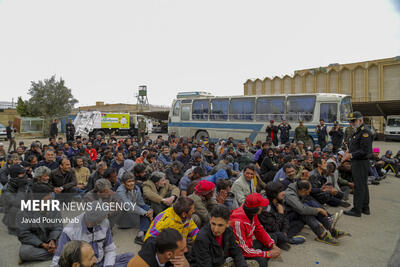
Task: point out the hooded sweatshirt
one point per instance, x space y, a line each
128 166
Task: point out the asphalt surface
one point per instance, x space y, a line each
374 239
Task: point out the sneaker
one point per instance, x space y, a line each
336 218
327 239
337 234
139 240
297 240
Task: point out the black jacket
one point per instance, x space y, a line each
173 178
337 137
268 164
285 131
70 129
273 221
4 174
360 144
321 132
9 131
67 181
53 129
208 253
92 180
273 129
148 253
36 233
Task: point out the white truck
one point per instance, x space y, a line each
92 123
392 129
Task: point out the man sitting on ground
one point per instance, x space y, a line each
203 202
216 242
245 224
159 192
179 217
94 228
38 240
77 253
167 249
132 197
274 220
63 179
316 218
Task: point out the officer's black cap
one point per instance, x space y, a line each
355 115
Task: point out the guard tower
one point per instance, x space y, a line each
142 99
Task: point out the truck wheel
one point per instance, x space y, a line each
101 133
201 135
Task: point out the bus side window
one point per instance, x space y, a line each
177 107
185 113
328 112
200 109
271 108
241 109
300 108
219 109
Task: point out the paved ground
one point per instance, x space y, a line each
373 242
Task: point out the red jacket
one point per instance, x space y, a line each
92 154
244 230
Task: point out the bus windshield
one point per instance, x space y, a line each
345 109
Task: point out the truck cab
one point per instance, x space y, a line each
392 129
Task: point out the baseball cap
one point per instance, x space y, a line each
389 152
255 200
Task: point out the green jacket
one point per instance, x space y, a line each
142 126
202 207
301 134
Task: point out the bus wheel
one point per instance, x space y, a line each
201 135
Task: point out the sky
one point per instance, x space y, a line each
105 49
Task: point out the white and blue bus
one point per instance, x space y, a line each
202 115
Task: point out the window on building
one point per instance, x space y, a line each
271 108
300 108
219 109
241 109
200 109
328 112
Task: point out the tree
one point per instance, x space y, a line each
50 98
22 107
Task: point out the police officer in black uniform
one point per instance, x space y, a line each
360 151
70 130
284 127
